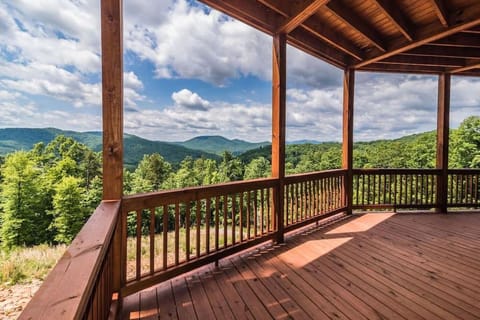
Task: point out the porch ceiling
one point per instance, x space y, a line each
412 36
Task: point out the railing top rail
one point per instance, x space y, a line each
464 171
395 171
159 198
65 292
300 177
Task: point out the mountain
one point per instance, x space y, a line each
218 144
12 139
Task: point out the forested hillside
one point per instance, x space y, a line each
48 192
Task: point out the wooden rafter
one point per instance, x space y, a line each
460 40
401 22
425 61
403 68
299 17
470 65
451 52
341 11
441 11
251 12
319 29
469 17
316 48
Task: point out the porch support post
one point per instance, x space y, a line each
443 127
112 116
347 145
278 128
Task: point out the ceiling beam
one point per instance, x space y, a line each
470 65
300 16
250 12
459 40
469 17
448 52
390 9
324 32
441 11
319 29
345 14
425 61
314 46
402 68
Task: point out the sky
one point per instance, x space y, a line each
190 71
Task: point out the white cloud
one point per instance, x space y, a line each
189 100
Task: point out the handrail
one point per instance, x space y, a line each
160 198
302 177
81 284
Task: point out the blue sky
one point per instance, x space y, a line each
192 71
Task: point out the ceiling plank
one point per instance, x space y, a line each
311 44
441 11
250 12
448 52
401 22
459 40
319 29
425 61
299 17
341 11
470 65
402 68
467 18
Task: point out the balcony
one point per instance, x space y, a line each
302 246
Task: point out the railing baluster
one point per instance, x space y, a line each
177 233
234 199
225 220
262 222
198 219
165 237
240 211
187 231
217 222
138 270
207 224
152 240
249 213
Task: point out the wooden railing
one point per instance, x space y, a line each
156 236
81 285
463 188
313 196
394 188
170 232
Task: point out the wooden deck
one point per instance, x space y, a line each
374 266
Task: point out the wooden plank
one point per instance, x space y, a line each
279 93
201 304
183 299
443 120
467 18
347 135
67 289
112 98
391 10
218 302
301 15
340 9
441 11
166 301
475 64
148 304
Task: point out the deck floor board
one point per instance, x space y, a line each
372 266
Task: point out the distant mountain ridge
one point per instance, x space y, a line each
219 144
13 139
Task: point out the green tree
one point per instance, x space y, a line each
151 173
69 213
231 168
465 144
24 220
258 168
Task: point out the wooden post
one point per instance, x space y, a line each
347 145
112 86
443 127
278 128
112 115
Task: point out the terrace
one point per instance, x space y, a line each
187 255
